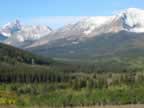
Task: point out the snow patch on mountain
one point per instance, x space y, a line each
133 19
10 28
28 33
93 22
32 32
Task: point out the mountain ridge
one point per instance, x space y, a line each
130 20
92 36
16 33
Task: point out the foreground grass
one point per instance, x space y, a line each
34 95
106 106
115 106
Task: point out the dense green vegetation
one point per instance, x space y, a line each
75 84
28 80
81 90
13 55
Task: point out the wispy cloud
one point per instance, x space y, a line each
54 21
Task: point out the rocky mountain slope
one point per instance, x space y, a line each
96 36
17 34
130 20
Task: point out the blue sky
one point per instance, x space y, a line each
49 11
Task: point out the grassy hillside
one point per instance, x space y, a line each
9 54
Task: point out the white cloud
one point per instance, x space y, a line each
54 21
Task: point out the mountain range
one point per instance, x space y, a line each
90 37
17 34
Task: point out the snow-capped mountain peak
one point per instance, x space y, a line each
33 32
17 34
92 23
28 33
132 19
10 28
15 23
